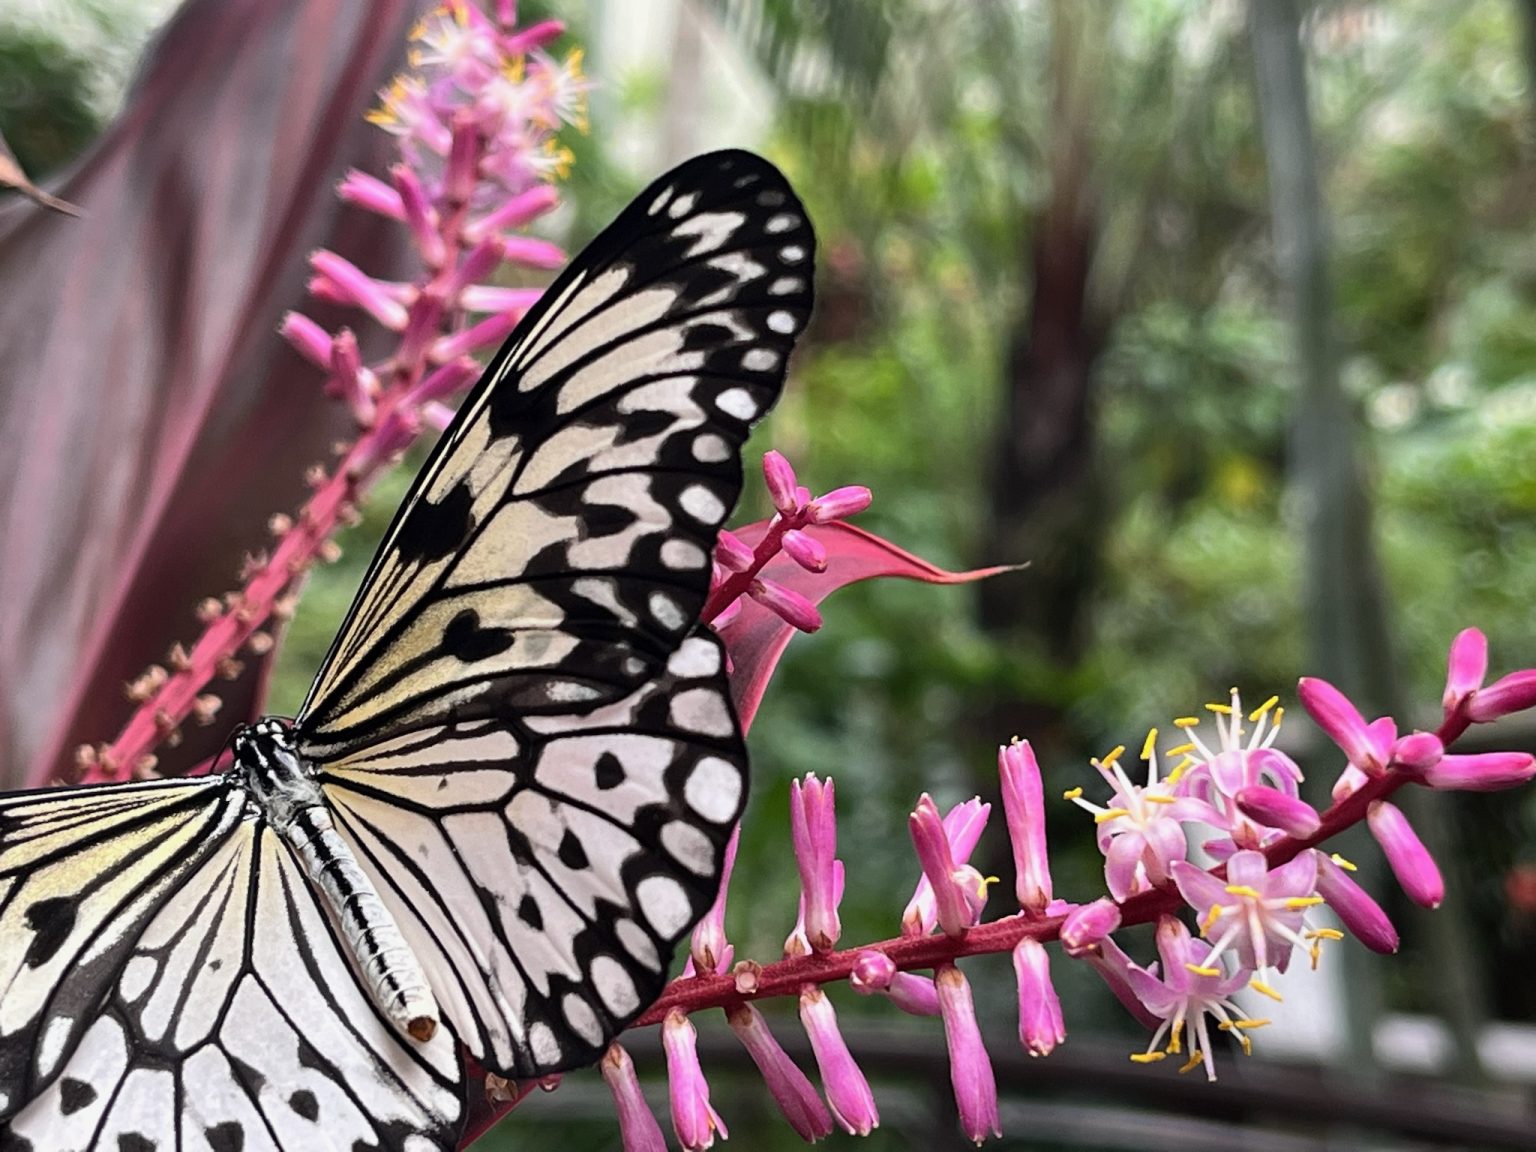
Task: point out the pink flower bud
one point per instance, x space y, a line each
514 212
420 216
448 380
637 1126
1411 862
709 947
478 263
853 1104
792 1090
1513 693
731 553
1467 666
805 551
970 1069
839 504
963 826
489 298
1417 751
531 252
1343 723
371 194
533 37
694 1121
340 280
1040 1024
1484 772
813 827
1275 809
1088 925
779 478
955 911
874 972
465 147
309 340
1024 806
1355 908
486 333
785 603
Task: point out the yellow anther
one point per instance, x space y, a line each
1211 918
1149 746
1187 722
983 884
1259 1023
1265 990
1148 1057
1297 903
1279 717
1114 754
1219 709
1178 771
1343 863
1263 708
1181 750
1195 1059
1072 794
1154 799
1109 814
1324 934
1244 891
1200 971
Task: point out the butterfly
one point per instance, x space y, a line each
506 797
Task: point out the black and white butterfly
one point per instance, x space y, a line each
504 801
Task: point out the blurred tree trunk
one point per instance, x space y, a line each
1349 640
1044 499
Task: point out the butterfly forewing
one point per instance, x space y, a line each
557 546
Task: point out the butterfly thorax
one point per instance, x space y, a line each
289 796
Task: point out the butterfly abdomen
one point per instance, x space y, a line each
291 800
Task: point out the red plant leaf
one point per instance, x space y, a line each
152 418
756 638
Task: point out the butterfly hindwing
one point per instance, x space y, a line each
557 545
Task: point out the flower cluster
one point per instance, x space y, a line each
475 126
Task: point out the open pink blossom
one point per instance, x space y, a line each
1257 912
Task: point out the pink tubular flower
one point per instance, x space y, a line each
1509 694
637 1124
1040 1023
1189 989
1481 772
1114 968
779 476
1024 805
308 339
970 1069
853 1104
963 826
709 946
959 891
1354 906
1417 752
694 1121
1411 862
731 553
874 972
787 604
1368 747
337 278
1275 809
805 551
1088 925
813 827
792 1090
838 504
1257 911
1466 668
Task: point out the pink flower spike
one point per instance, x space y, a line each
804 550
1354 906
309 340
514 212
1089 925
694 1121
853 1104
531 252
637 1124
420 216
465 147
340 280
1513 693
1024 805
788 605
1417 752
953 886
1040 1024
731 553
371 194
839 504
779 477
792 1090
483 334
813 825
1484 772
970 1069
1466 668
1343 723
1275 809
709 944
1411 862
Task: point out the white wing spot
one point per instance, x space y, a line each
541 1039
760 360
713 229
694 658
713 789
666 612
581 1018
138 973
780 223
569 692
781 322
690 847
682 206
614 986
683 555
792 253
664 904
737 402
709 448
784 285
51 1046
660 202
702 504
637 943
701 710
